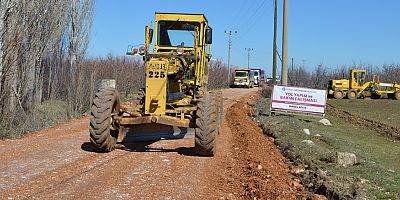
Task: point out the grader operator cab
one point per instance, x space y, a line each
176 92
359 87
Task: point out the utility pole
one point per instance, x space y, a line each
248 56
229 33
285 44
275 47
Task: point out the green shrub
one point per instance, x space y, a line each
266 91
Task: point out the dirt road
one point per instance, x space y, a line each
59 163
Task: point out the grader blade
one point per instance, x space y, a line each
156 132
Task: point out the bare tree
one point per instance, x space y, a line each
37 39
218 74
81 20
319 77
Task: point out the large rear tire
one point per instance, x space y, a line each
206 126
352 94
105 102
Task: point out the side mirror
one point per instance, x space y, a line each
209 35
149 35
151 31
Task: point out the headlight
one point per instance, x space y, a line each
180 50
142 50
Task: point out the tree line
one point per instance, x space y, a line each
43 45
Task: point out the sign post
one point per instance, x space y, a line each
298 100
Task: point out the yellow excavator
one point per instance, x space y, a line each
359 87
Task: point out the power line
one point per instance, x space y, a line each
242 6
245 18
253 19
248 16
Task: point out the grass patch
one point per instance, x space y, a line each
379 158
47 114
383 110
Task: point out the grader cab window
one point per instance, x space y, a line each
360 78
175 33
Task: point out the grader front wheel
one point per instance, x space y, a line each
352 94
206 126
104 104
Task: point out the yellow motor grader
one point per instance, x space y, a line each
176 92
358 87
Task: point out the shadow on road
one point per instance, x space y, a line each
87 146
144 147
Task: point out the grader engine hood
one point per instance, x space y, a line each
156 86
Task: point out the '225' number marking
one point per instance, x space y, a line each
156 74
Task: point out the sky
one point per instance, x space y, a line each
328 32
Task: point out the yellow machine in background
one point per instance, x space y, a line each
359 87
243 78
176 86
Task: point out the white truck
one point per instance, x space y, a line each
259 77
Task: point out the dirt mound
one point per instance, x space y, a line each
377 126
263 173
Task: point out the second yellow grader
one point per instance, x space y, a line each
359 87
